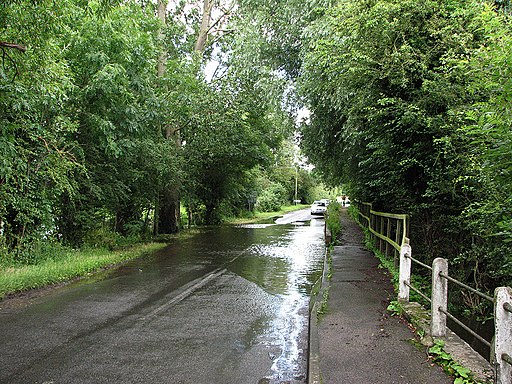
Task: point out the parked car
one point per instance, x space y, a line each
318 207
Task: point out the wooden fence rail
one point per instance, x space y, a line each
388 230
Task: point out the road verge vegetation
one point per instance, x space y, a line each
332 220
65 265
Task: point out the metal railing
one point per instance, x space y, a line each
382 229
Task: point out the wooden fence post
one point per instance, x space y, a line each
381 231
398 240
388 235
439 297
405 273
502 346
372 226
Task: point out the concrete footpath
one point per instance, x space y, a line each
357 341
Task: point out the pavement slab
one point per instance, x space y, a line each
358 340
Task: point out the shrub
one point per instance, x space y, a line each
272 198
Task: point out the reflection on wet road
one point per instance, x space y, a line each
228 305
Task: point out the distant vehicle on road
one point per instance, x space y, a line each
319 207
343 200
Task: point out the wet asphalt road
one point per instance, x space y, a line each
228 305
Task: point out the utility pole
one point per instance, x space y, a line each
296 182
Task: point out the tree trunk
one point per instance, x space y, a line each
19 47
205 26
125 215
167 209
169 212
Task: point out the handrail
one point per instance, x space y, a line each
400 216
445 312
419 262
418 292
468 329
391 242
400 228
460 284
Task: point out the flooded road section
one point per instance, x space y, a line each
227 305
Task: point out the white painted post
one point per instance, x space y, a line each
503 334
439 297
404 273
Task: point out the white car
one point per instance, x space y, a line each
318 207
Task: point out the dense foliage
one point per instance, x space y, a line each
112 113
409 108
98 146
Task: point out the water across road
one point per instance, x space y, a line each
227 305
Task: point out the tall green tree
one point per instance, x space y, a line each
384 93
38 153
489 215
228 138
117 104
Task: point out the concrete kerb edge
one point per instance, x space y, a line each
460 351
314 373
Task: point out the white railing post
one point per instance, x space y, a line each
404 272
502 345
439 297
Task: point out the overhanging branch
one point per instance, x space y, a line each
19 47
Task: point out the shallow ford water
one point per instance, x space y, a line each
227 305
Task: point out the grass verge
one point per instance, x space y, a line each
66 266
